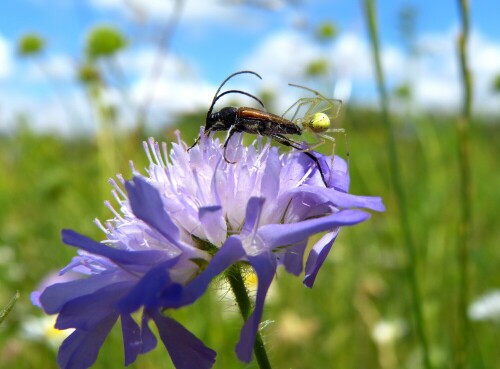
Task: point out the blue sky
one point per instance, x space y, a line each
216 38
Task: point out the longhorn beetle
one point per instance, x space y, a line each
251 120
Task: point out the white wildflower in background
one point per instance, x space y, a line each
486 307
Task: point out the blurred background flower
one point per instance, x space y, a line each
41 328
486 307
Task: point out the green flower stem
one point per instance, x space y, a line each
105 136
237 283
411 271
463 239
6 310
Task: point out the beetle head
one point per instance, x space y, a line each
226 117
221 120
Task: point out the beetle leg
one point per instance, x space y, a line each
230 134
297 145
195 143
198 140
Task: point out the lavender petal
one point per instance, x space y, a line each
186 351
317 256
275 235
124 257
80 349
86 311
132 340
147 205
264 265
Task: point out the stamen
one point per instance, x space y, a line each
116 197
147 151
155 149
99 225
118 188
165 153
132 168
112 209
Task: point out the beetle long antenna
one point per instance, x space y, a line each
224 82
240 92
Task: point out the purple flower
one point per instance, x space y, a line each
188 220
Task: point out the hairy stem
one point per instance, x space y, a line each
237 283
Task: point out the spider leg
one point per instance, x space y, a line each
338 130
321 138
298 105
333 105
297 145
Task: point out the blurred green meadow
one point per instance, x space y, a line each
49 183
361 311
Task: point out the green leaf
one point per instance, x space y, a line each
104 42
6 310
30 44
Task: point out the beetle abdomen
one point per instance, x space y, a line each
266 124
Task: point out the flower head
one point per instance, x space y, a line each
191 217
486 307
42 329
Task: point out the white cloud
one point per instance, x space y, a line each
393 62
280 58
5 58
351 56
485 64
140 63
438 81
436 92
54 67
192 10
179 88
47 114
433 74
170 96
282 55
484 55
